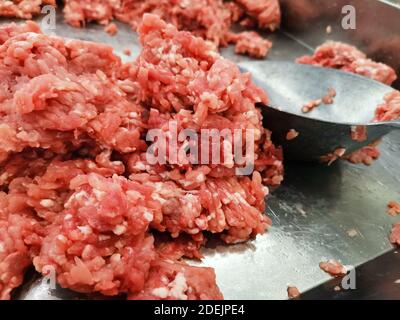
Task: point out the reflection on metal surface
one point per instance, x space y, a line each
312 212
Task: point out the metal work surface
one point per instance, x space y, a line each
312 211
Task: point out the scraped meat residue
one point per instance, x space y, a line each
293 292
311 105
393 208
348 58
252 43
366 155
111 29
78 194
395 234
210 19
359 133
334 268
24 9
345 57
326 99
292 134
333 156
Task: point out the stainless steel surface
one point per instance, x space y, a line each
328 127
311 212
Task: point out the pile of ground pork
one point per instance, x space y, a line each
345 57
24 9
76 191
210 19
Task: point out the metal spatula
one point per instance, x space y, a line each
326 128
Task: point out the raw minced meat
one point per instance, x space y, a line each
58 94
345 57
334 268
190 85
252 43
328 97
359 133
111 29
390 109
393 208
348 58
80 195
292 134
20 239
266 13
333 156
293 292
395 234
311 105
172 281
210 19
24 9
366 155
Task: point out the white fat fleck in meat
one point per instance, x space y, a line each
91 165
134 195
178 287
156 197
104 237
119 229
62 238
116 257
250 114
240 198
193 231
161 293
140 166
99 194
164 280
200 178
80 195
86 230
2 248
148 215
47 203
68 216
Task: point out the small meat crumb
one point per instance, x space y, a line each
359 133
111 29
292 134
309 106
395 235
333 156
393 208
337 288
352 233
293 292
328 98
334 268
127 52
